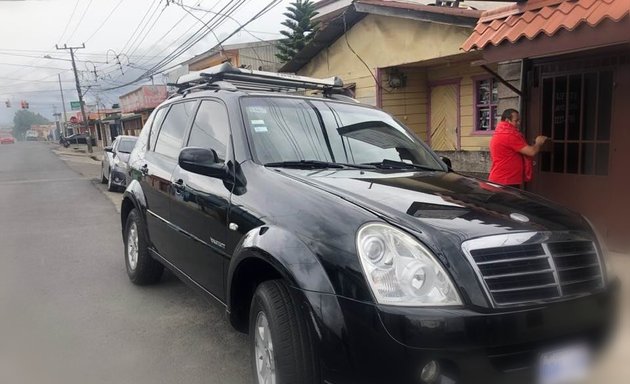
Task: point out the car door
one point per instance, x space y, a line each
200 204
167 137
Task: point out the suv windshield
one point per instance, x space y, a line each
126 146
294 130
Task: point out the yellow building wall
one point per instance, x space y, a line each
409 104
383 41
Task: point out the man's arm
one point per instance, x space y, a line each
532 150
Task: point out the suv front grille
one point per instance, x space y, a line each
542 271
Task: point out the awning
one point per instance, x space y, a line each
540 28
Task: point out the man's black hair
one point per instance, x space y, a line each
507 114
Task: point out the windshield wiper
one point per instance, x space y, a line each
316 164
393 164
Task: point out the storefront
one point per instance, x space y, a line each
576 82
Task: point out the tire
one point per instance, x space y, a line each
142 269
103 179
110 186
292 355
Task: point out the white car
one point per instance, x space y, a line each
114 166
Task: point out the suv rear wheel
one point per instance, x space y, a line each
142 269
279 337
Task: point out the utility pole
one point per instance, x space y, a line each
76 78
63 104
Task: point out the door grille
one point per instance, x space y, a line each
545 271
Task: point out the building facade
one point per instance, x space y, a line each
137 105
405 58
576 56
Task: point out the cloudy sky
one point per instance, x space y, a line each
139 32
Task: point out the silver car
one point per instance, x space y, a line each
115 166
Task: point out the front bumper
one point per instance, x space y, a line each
385 344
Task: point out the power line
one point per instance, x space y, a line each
104 21
32 66
80 20
138 26
69 20
131 52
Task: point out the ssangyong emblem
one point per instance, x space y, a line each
518 217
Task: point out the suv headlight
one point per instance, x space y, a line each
401 271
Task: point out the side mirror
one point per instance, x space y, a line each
448 163
109 149
202 161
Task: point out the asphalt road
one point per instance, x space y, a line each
68 313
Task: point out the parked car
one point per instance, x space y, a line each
31 135
79 138
115 163
348 250
6 138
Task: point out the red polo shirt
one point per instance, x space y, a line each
509 166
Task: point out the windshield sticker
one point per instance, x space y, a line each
260 128
256 109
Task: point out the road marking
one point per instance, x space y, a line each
42 180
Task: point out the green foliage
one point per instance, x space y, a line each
301 29
23 120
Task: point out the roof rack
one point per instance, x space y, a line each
228 77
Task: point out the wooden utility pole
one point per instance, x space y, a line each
63 104
88 139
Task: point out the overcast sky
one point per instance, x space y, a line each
29 31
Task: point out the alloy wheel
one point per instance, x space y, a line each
132 246
263 350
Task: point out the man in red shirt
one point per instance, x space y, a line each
511 155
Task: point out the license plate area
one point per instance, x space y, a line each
566 365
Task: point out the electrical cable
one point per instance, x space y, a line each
139 24
69 20
80 20
104 21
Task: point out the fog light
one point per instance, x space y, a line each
430 372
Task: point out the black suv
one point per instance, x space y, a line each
348 250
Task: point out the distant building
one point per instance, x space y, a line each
137 105
260 55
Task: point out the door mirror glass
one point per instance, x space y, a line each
109 149
202 161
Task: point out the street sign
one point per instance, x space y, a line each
75 105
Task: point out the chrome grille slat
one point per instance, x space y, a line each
512 260
535 267
517 274
527 288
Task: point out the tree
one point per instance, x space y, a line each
301 29
23 120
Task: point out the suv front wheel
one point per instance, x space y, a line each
279 337
142 269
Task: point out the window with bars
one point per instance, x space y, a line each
576 115
486 105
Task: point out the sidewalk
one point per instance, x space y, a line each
78 150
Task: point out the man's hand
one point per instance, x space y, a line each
540 140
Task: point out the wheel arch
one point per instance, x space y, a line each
268 253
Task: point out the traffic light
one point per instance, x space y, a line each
8 103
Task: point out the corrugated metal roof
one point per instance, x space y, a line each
535 17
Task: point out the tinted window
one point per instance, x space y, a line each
126 145
155 127
211 128
171 136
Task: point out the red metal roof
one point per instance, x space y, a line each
535 17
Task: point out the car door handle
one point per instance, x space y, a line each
178 186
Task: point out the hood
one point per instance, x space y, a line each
124 157
452 204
